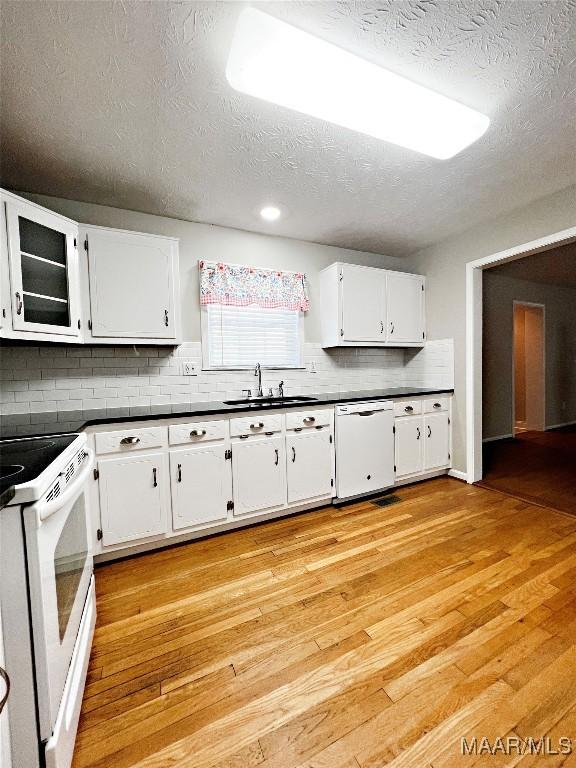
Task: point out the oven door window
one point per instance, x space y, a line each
69 561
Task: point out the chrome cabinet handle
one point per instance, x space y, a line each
437 405
197 433
429 431
408 409
418 431
179 473
154 476
6 678
129 440
260 425
276 452
391 327
293 454
166 318
381 326
18 303
309 420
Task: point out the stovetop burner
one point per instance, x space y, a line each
9 470
24 459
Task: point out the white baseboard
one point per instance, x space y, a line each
458 474
498 437
564 424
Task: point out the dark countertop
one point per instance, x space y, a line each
75 421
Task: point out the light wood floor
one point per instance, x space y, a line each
360 636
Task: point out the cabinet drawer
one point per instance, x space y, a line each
257 424
308 419
407 408
197 432
436 404
126 440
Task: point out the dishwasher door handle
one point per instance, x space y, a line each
366 413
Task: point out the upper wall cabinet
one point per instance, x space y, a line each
39 273
130 287
371 307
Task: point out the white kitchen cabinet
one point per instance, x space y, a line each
310 464
408 446
436 441
201 482
259 474
40 273
368 306
405 308
131 286
363 303
134 497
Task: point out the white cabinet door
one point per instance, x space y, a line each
405 307
259 474
44 276
310 465
363 292
409 440
133 497
436 441
201 481
131 278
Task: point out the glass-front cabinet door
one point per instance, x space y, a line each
43 270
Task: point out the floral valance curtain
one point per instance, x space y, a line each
239 286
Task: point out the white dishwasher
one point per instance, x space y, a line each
364 448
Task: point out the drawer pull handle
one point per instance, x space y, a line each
297 429
437 405
198 433
259 425
154 475
129 441
268 434
243 437
293 454
408 409
309 419
179 473
276 452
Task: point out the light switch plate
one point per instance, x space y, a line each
189 368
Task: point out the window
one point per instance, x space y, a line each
240 337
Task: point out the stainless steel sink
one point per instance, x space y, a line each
260 401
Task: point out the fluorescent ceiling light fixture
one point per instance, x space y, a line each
270 213
274 61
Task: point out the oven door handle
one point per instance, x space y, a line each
48 508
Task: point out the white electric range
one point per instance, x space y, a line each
47 594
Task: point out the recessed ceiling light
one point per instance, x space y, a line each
272 60
270 213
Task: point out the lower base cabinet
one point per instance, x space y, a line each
201 484
134 497
309 462
259 474
422 444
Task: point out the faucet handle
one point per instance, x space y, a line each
270 392
281 389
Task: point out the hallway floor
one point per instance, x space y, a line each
539 467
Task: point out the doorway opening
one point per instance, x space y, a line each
529 371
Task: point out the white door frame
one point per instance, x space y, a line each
537 305
474 271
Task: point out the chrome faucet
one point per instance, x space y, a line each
258 372
281 389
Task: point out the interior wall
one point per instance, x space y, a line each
205 241
444 265
500 292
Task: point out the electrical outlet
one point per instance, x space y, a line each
189 368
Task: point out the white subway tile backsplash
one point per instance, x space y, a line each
42 379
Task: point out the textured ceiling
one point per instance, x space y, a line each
126 104
554 267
